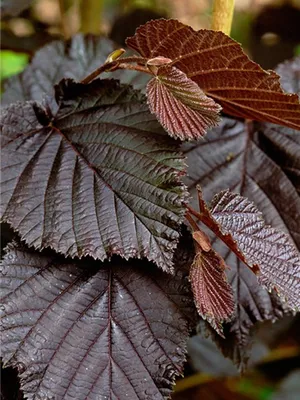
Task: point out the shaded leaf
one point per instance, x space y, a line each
235 155
212 293
283 144
221 69
253 304
102 178
180 105
262 245
86 329
13 7
74 59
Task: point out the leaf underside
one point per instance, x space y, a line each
261 162
180 105
221 69
90 330
212 294
102 178
73 59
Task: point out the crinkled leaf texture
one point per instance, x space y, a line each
212 293
180 105
91 330
74 59
268 248
261 162
99 177
221 69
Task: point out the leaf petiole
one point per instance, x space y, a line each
123 63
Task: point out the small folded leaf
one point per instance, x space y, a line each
85 329
180 105
268 248
212 294
222 70
253 304
101 178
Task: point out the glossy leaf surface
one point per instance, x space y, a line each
261 162
268 248
98 177
91 330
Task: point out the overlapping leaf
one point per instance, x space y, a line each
253 304
251 159
74 59
212 293
268 248
221 69
100 177
86 329
180 105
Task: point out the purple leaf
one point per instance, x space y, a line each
98 178
74 59
86 329
268 248
260 161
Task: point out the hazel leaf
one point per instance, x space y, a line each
180 105
218 65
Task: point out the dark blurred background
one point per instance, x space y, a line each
270 33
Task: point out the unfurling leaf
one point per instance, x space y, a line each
96 177
212 294
266 247
180 105
221 69
82 329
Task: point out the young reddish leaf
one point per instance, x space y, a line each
221 69
86 330
262 245
180 105
240 156
253 304
212 294
101 178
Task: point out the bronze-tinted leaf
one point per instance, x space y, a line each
221 69
262 245
180 105
261 162
212 294
90 330
102 178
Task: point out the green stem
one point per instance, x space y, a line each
222 15
91 16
